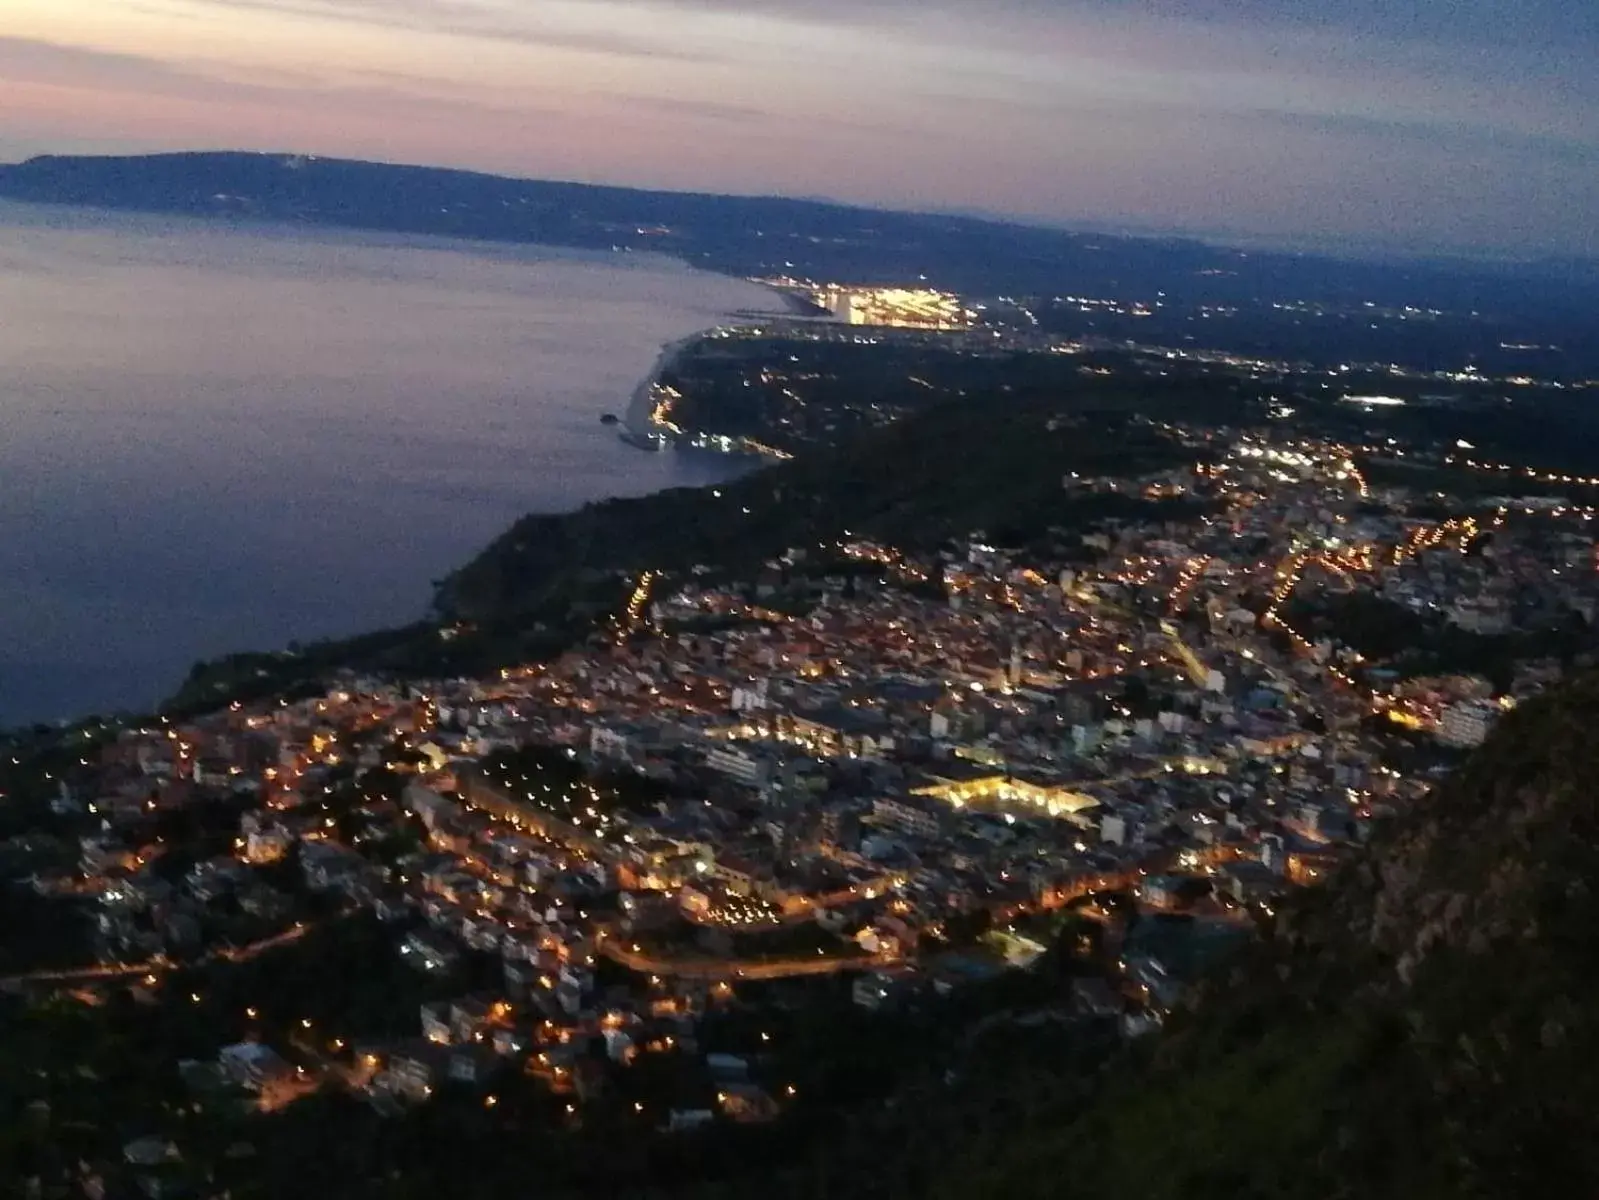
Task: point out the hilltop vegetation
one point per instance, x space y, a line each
993 463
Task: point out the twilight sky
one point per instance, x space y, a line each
1470 124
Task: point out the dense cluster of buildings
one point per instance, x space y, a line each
896 767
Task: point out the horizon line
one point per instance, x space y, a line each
1304 246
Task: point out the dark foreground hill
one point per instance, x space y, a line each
1426 1026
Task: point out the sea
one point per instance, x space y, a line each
230 437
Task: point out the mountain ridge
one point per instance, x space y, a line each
754 235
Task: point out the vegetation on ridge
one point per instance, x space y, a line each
992 463
1422 1027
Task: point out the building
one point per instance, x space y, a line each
1116 830
428 804
898 308
1003 792
841 827
909 814
254 1066
746 1103
1162 891
267 844
427 951
739 766
876 990
328 865
1467 723
616 745
1273 855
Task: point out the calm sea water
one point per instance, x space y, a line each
216 439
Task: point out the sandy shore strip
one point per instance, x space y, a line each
639 420
639 427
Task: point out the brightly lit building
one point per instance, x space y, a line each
1002 793
898 308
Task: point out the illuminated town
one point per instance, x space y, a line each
900 769
837 603
1017 682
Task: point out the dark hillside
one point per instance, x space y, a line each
993 463
1427 1026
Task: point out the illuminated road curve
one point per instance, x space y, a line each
734 970
158 965
1198 672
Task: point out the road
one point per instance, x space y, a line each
737 970
160 964
1198 672
1111 881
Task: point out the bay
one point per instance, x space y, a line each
224 438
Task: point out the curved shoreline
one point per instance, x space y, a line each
639 427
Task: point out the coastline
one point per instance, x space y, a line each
640 429
639 426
